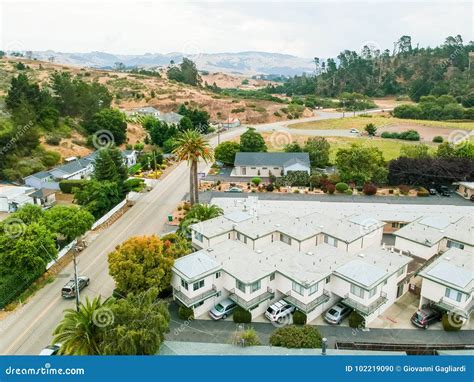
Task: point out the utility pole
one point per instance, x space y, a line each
76 281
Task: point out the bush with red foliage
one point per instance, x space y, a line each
370 189
330 188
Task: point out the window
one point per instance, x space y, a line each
184 284
272 277
394 225
253 168
276 168
264 168
241 237
198 285
218 274
198 236
356 291
255 286
240 285
298 288
372 292
400 271
330 240
453 294
328 279
285 239
198 304
455 244
313 289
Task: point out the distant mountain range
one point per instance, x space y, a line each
247 63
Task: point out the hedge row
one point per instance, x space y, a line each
66 186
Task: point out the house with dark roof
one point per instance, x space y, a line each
266 164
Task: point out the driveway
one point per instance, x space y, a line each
454 200
223 330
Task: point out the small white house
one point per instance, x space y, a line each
12 197
231 123
266 164
448 282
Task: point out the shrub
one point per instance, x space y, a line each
53 140
342 187
356 320
242 316
330 188
67 186
185 313
348 192
452 322
299 337
299 318
438 139
369 189
296 191
404 189
270 187
248 337
256 181
423 192
390 191
134 169
134 184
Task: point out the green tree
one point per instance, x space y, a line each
318 150
200 213
186 72
82 332
141 263
371 129
111 120
293 147
176 245
140 322
69 222
445 150
98 197
361 164
225 152
191 146
252 141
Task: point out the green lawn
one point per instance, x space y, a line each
377 120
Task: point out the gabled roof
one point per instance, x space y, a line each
72 167
42 193
39 175
196 264
271 159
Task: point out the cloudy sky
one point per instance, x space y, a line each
308 29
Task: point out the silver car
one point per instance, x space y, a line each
337 313
222 309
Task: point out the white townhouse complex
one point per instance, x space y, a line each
448 282
310 254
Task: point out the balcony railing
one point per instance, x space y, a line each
248 304
306 308
363 309
447 305
190 301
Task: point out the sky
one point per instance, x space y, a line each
306 29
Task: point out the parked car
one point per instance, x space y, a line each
336 314
444 191
432 191
234 189
424 317
279 310
69 290
354 131
222 309
51 350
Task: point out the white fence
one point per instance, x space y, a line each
61 253
107 216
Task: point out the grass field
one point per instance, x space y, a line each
389 147
360 122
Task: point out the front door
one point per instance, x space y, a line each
243 170
399 290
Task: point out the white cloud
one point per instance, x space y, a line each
306 29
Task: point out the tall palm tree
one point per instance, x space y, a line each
81 332
191 146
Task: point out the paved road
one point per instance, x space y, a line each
454 200
29 328
222 331
282 126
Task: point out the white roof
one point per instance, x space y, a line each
467 184
360 271
195 265
454 267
